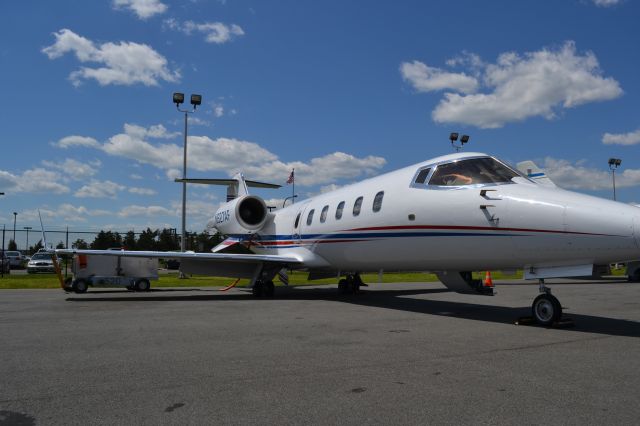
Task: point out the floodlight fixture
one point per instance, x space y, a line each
196 100
178 98
453 137
464 139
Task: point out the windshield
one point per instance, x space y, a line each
471 172
41 256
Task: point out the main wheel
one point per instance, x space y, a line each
143 285
258 289
546 309
343 287
80 286
269 289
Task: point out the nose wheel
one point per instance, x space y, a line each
546 309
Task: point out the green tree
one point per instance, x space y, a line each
80 244
36 247
106 240
60 245
12 246
167 241
129 241
147 240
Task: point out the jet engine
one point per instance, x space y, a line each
243 215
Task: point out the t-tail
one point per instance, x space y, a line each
242 215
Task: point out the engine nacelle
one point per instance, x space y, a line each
244 215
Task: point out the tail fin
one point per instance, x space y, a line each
535 173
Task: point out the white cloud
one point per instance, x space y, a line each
195 121
521 86
64 212
215 32
606 3
218 111
74 140
157 131
631 138
148 211
142 191
74 168
135 176
428 79
99 189
143 9
124 63
230 156
578 176
33 181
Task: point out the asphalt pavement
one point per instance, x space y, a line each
395 354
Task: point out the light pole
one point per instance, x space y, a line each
614 163
28 228
14 227
178 98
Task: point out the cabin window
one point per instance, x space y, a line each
297 221
472 171
323 215
377 201
422 176
310 217
357 206
339 210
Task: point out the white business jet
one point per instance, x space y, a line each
451 215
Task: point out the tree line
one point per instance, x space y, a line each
151 240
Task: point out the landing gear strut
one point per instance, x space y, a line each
263 288
546 309
351 284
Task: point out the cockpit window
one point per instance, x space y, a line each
471 172
422 176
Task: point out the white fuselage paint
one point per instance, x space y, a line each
423 228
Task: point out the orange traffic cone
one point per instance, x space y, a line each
488 282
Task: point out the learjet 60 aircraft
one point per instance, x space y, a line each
451 215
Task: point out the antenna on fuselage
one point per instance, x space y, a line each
453 137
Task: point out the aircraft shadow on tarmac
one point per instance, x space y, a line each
388 299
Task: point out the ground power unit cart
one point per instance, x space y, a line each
132 273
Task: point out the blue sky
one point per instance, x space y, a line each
339 90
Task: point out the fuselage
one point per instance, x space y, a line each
412 219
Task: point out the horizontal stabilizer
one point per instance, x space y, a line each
535 173
225 182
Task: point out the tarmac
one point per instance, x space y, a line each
403 353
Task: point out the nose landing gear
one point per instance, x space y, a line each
546 308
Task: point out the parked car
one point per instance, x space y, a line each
15 259
4 263
40 262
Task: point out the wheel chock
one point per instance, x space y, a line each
564 322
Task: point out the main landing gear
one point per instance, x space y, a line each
264 288
546 309
350 284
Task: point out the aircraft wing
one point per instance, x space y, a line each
214 264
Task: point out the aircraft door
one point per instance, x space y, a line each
296 230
